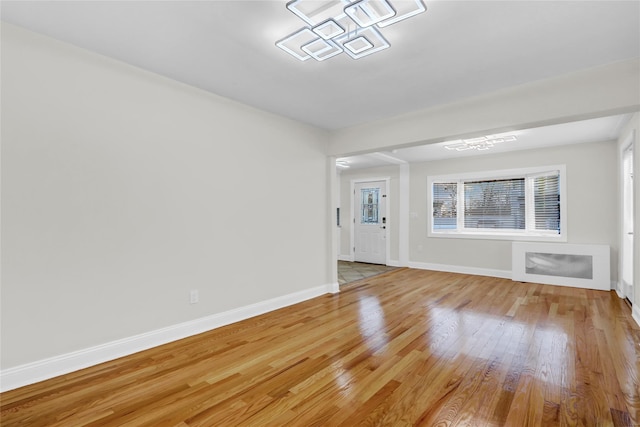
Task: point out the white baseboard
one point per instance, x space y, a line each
635 311
504 274
394 263
345 258
63 364
617 286
333 288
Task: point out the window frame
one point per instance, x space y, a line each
528 234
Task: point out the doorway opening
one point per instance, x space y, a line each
349 271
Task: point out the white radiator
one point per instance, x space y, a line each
579 266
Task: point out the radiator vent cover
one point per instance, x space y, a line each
581 266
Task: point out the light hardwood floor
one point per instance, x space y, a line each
407 347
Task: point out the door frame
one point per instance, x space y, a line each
387 209
629 143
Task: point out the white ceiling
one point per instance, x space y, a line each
457 49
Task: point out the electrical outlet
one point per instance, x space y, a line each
193 296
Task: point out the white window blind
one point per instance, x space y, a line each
547 202
495 204
445 202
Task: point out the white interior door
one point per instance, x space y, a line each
370 222
628 223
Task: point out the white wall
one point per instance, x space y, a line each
591 203
123 190
346 216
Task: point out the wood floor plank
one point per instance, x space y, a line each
404 348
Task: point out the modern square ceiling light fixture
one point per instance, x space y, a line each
336 26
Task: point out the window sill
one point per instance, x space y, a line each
500 236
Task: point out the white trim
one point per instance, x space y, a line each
501 173
477 271
333 185
334 288
617 286
404 203
497 235
628 143
387 183
635 313
627 289
65 363
389 224
345 258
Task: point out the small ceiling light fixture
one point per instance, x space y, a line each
349 26
481 143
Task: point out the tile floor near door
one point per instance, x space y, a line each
352 271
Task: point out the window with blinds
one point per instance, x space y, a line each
517 203
445 201
546 193
494 204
